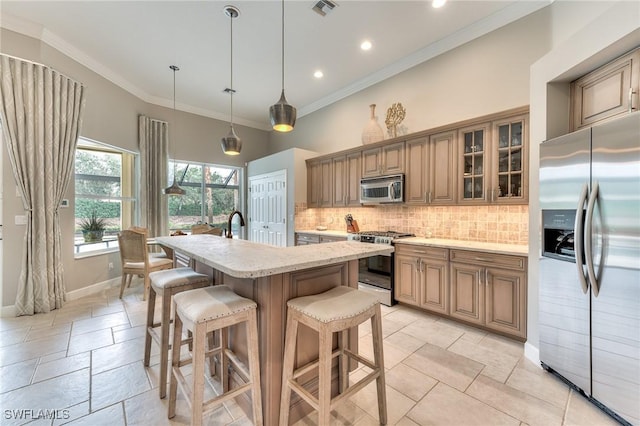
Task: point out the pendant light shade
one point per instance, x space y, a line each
282 114
231 144
174 189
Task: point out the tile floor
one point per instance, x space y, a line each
82 365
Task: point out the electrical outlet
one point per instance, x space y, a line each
110 265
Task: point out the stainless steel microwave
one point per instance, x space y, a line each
383 189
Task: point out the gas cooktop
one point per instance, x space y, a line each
378 237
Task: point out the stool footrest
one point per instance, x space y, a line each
213 403
304 394
312 365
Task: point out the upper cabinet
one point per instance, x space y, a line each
430 169
607 92
479 161
474 159
383 160
346 179
493 162
319 183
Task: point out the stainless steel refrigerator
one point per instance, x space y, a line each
590 265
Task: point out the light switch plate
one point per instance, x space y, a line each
21 219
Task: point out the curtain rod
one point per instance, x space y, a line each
42 65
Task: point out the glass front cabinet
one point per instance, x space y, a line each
493 162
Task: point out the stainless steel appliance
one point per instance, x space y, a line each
382 190
590 265
375 273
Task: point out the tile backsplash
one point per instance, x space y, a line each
492 224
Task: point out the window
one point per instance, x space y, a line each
104 189
213 193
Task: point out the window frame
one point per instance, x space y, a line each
132 167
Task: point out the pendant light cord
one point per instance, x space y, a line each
283 45
231 61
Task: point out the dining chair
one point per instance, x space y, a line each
136 259
206 229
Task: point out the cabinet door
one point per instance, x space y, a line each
313 183
472 173
442 170
607 92
371 162
339 181
393 158
326 183
467 295
510 161
352 184
506 301
434 285
406 279
417 175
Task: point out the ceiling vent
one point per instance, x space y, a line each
323 7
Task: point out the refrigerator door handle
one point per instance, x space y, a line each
579 235
588 246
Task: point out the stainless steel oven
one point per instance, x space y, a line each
375 273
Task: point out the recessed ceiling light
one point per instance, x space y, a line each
318 74
366 45
438 3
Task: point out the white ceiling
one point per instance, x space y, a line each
132 43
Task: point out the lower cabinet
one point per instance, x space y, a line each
303 239
422 277
484 289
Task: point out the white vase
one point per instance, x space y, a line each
372 131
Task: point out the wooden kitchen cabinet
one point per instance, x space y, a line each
346 180
493 162
422 277
430 170
489 290
607 92
384 160
306 239
320 183
331 238
509 172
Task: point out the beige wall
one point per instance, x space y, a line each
110 116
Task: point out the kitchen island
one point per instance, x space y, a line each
271 276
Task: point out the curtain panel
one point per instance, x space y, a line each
41 112
154 159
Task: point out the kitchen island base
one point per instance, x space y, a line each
272 293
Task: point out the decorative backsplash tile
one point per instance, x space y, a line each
493 224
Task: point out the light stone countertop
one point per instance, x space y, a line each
328 232
513 249
246 259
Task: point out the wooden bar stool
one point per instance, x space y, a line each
167 284
202 311
334 311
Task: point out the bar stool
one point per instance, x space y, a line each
334 311
202 311
167 284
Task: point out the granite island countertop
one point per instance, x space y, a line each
246 259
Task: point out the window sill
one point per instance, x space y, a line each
94 253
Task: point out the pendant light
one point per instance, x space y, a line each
231 144
282 114
174 189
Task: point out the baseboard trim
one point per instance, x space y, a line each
93 289
532 353
10 311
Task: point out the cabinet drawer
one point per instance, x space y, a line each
423 251
518 263
327 239
307 239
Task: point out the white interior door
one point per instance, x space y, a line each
268 208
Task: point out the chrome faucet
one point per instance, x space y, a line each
236 212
